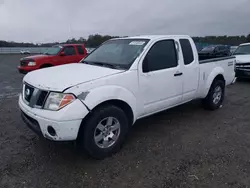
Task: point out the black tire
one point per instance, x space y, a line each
87 131
208 102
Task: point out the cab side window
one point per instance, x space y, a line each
162 55
187 51
80 50
69 50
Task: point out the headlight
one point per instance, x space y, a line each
56 101
32 63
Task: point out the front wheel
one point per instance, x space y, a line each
215 96
104 131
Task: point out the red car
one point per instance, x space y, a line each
56 55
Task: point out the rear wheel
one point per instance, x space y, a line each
215 95
104 132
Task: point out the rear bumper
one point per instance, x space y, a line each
242 73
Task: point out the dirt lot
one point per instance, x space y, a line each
183 147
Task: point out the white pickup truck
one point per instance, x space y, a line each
242 66
97 100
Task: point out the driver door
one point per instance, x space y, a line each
161 78
69 56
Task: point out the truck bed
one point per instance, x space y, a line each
210 67
215 59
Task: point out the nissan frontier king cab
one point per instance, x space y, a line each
96 101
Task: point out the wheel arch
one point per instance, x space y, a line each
216 74
121 104
208 101
115 102
44 65
219 77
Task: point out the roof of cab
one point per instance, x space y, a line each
155 37
72 44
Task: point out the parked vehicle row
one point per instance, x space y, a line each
242 54
214 51
232 49
74 53
97 100
25 52
56 55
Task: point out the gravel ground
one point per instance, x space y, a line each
182 147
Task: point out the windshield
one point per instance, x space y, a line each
208 49
242 50
53 50
117 53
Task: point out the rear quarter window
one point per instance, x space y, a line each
69 50
187 51
80 50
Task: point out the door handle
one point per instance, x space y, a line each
178 74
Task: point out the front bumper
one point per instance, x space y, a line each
242 73
26 69
65 122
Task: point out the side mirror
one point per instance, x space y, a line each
145 67
62 54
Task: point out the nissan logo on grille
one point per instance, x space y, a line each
27 92
33 96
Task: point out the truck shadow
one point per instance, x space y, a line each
161 132
243 80
146 127
169 119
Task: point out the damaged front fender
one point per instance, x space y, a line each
82 96
98 95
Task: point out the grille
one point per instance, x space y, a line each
42 98
23 63
242 66
34 97
28 92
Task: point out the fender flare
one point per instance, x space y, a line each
216 71
99 95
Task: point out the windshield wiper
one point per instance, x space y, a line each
109 65
87 62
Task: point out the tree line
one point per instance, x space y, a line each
226 40
95 40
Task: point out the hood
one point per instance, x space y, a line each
65 76
35 57
242 58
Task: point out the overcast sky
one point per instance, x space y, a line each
58 20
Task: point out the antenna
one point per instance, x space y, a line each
70 29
